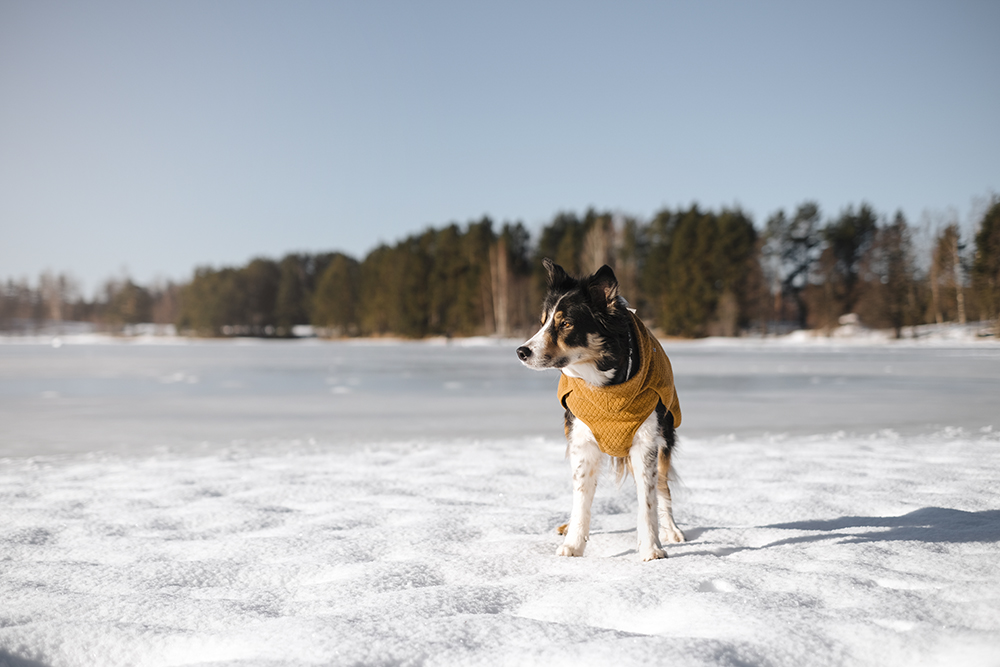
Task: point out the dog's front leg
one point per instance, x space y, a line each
584 460
644 454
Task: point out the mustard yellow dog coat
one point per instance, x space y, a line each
614 413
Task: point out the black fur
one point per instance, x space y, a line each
666 421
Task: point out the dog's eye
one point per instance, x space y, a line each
565 324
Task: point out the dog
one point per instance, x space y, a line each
619 398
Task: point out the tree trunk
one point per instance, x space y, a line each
959 292
935 292
500 282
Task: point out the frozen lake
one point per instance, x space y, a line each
144 397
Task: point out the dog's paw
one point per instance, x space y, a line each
562 529
653 553
672 534
569 550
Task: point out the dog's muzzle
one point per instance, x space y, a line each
524 353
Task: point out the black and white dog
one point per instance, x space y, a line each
602 349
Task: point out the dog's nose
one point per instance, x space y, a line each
523 353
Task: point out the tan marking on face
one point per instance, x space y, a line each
561 325
555 346
552 348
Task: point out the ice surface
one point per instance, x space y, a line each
135 398
318 504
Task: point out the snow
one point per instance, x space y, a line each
312 503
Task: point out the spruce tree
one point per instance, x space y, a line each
335 301
986 265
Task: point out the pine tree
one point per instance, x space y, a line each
291 305
986 265
791 249
335 301
254 294
887 285
376 296
702 276
126 303
631 250
478 310
846 240
560 241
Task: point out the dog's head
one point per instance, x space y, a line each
578 316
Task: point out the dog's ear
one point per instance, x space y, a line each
557 276
603 287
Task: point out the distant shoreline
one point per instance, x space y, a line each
72 333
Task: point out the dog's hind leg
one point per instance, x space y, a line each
669 532
643 455
585 460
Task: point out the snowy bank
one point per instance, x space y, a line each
949 334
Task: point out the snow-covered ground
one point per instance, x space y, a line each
311 503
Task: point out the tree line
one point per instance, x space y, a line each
58 299
690 272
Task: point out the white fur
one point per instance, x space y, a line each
669 532
587 370
585 462
644 453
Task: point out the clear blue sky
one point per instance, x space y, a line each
157 136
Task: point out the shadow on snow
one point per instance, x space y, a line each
929 524
933 525
10 660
